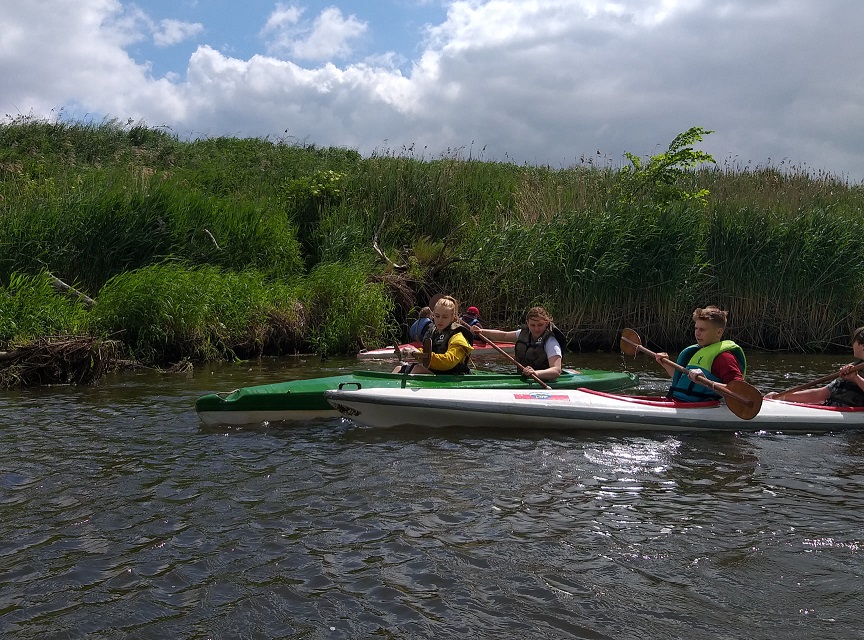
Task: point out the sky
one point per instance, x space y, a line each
540 82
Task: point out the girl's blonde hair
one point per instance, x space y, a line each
449 302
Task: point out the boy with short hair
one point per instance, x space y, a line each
719 360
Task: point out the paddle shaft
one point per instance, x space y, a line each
818 381
426 354
702 379
508 356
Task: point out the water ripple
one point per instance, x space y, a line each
125 518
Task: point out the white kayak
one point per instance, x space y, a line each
388 353
576 409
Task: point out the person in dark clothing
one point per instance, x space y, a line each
422 326
846 391
471 317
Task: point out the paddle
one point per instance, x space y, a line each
508 356
817 381
742 398
425 357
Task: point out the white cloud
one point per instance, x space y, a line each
282 23
54 53
328 36
171 32
543 81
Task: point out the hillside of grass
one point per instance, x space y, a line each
233 248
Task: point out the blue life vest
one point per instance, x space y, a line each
418 330
472 321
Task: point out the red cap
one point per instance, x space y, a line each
474 311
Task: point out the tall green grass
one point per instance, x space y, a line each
94 235
348 312
31 308
169 311
109 206
793 280
595 273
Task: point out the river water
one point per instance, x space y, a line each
123 517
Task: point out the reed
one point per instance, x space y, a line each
792 281
595 273
30 308
602 248
170 311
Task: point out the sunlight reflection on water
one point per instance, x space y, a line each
124 517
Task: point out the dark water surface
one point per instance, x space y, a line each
123 517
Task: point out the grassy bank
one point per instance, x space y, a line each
224 248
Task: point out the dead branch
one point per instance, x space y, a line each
59 360
210 235
398 267
71 291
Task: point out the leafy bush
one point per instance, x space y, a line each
659 180
304 200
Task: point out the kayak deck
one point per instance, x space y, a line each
582 409
388 353
305 399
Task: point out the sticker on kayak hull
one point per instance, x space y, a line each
540 395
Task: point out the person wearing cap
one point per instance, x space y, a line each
471 317
538 345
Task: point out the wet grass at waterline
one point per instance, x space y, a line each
224 248
168 312
171 312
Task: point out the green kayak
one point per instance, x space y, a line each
305 399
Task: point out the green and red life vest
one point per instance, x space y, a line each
696 357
